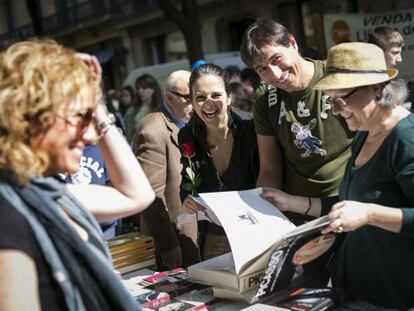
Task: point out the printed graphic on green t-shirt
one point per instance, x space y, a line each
314 143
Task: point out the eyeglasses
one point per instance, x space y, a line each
340 101
80 120
186 97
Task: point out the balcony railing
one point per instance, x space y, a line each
89 11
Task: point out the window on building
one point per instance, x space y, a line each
312 16
230 30
236 32
154 50
175 47
3 17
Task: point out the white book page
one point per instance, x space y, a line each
223 262
251 223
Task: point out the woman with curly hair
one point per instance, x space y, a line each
52 253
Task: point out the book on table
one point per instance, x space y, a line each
260 237
131 251
304 299
171 290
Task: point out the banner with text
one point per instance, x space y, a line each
356 27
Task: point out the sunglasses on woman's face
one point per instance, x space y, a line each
340 101
80 120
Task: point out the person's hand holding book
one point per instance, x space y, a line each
292 203
191 206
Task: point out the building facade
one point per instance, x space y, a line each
126 34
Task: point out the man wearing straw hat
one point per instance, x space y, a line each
303 147
375 205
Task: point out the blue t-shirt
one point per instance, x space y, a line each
92 170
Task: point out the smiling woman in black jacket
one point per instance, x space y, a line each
220 145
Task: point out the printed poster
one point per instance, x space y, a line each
356 27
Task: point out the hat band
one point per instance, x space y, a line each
343 70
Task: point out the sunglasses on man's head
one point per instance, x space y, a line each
340 101
186 97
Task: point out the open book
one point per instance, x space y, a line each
255 229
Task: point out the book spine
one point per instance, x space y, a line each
156 277
157 302
201 307
131 246
325 304
271 274
250 281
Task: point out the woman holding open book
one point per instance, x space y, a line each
52 252
375 206
219 150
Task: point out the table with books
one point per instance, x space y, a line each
284 269
171 290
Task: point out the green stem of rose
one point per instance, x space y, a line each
190 163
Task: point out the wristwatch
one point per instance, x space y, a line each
103 127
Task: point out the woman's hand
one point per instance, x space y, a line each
278 198
94 64
348 216
191 206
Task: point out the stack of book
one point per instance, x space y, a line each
269 253
132 251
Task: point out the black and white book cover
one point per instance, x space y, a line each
303 254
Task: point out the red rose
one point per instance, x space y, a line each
188 149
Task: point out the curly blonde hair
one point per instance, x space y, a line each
38 79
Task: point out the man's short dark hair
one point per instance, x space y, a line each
260 33
386 37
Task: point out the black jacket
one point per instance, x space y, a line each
243 167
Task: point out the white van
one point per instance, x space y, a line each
161 71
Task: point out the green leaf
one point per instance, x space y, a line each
190 173
197 182
187 187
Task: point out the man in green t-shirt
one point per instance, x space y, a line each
303 147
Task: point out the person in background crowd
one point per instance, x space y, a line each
156 147
198 63
310 52
52 252
112 100
250 81
233 72
92 170
375 205
148 99
126 99
112 104
239 98
303 147
219 141
391 42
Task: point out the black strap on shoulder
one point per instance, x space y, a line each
273 105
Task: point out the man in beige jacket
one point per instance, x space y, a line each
156 147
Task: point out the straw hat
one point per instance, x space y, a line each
354 64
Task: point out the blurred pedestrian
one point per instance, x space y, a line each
148 99
156 147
